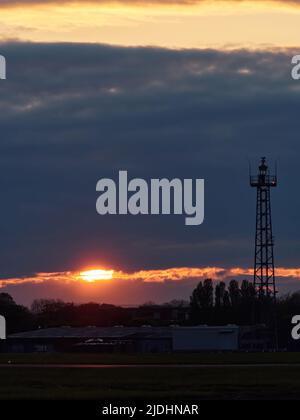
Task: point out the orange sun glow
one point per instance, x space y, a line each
90 276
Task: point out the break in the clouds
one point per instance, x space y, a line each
71 114
165 23
173 274
8 3
131 288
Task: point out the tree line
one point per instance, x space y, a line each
210 303
238 303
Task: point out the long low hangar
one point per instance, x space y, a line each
144 339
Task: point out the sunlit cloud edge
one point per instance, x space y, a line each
176 274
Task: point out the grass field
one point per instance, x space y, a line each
163 358
171 382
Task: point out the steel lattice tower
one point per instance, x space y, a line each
264 270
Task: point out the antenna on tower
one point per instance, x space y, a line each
249 166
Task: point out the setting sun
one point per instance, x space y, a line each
91 276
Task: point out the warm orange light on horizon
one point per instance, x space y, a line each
91 276
169 23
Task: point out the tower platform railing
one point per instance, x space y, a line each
263 181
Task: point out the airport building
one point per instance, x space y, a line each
146 339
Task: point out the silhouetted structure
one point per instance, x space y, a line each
264 272
264 269
120 339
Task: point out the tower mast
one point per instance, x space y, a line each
264 269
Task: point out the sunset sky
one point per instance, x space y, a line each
175 24
189 89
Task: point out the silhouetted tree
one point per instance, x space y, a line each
234 293
219 294
6 300
17 316
226 299
247 291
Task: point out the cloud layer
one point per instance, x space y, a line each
132 288
9 3
71 114
172 24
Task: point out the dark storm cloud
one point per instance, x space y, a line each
71 114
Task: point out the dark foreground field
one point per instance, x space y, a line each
215 376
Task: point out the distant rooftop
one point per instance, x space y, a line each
107 332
